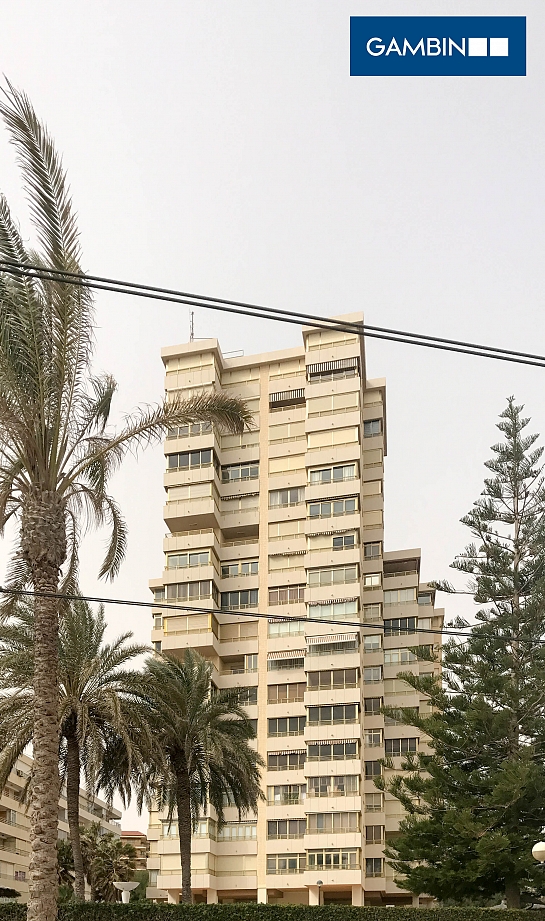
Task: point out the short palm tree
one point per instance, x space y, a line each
107 859
56 451
203 755
99 705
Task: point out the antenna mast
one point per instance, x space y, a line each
191 326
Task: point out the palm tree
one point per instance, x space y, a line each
99 705
202 750
56 452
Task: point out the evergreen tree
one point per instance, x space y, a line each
474 795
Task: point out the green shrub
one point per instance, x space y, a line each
147 911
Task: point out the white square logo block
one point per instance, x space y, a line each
477 47
499 47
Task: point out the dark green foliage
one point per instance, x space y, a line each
148 911
476 803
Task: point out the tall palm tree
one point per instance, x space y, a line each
203 755
107 859
56 452
99 705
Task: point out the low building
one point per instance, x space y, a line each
139 841
15 825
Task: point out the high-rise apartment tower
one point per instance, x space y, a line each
287 520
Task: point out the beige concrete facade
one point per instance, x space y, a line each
287 520
15 826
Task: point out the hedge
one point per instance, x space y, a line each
243 911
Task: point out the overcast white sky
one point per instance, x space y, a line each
222 148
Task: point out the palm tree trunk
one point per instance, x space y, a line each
512 893
72 801
183 805
43 542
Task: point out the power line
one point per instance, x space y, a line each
170 295
278 618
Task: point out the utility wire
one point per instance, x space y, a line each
355 625
102 283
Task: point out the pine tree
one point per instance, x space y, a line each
474 795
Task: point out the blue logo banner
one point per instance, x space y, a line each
438 46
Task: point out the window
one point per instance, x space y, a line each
286 628
286 594
238 831
333 437
240 568
158 622
372 427
286 761
374 834
279 465
206 828
336 713
400 596
373 738
247 697
286 726
425 598
334 859
285 693
399 656
333 678
183 560
345 785
334 822
372 580
333 370
288 431
287 794
287 662
372 769
333 404
332 474
286 863
372 674
286 828
193 430
283 498
344 541
184 591
372 643
374 802
279 562
333 751
334 610
233 601
169 829
399 626
372 613
233 473
372 551
190 491
157 645
373 866
328 649
188 460
333 507
372 705
396 747
338 576
19 875
282 530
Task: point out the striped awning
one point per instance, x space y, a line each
287 654
290 553
290 751
239 495
314 604
298 394
337 365
328 638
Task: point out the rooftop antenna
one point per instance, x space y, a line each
191 325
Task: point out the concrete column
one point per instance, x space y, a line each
313 895
261 896
211 896
357 895
416 901
172 896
